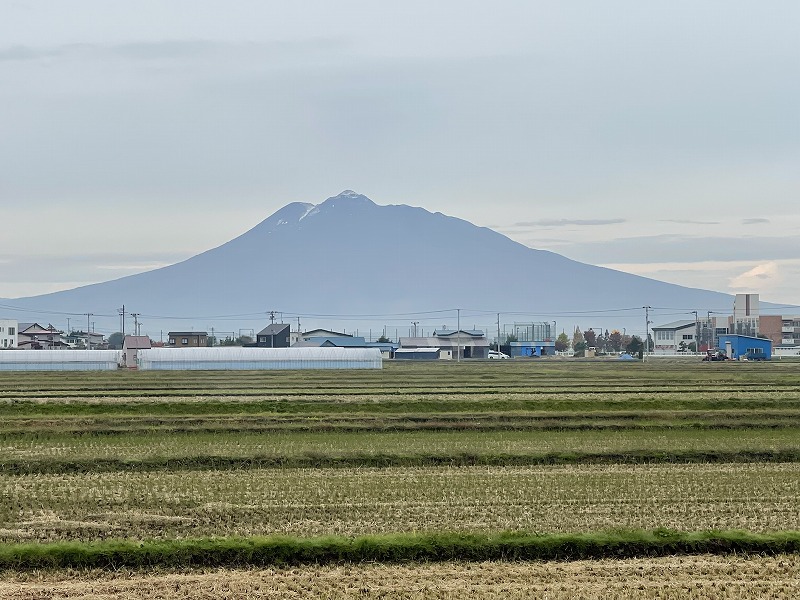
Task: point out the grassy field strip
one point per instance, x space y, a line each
705 576
361 501
372 460
280 550
363 422
138 446
528 398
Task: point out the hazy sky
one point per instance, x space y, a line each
660 138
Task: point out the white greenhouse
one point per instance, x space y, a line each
240 359
59 360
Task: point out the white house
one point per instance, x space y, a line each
674 337
9 331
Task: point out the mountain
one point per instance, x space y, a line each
350 256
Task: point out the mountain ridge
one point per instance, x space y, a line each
351 256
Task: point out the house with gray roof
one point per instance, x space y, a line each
274 335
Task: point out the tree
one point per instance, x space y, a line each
115 341
615 341
590 337
635 346
507 346
577 338
562 342
682 347
384 340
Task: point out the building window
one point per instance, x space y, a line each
171 341
688 337
184 341
12 330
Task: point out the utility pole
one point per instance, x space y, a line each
272 316
710 331
646 329
135 323
88 338
458 334
415 323
498 332
122 314
696 332
69 331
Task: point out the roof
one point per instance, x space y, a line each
412 350
675 325
136 342
335 341
451 332
749 337
274 329
24 327
323 332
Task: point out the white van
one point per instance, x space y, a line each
496 354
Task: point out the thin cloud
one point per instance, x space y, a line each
568 222
754 221
689 222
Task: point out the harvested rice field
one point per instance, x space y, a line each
706 577
540 448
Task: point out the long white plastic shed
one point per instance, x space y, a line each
232 358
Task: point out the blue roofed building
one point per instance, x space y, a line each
745 347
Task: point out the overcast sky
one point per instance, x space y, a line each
660 138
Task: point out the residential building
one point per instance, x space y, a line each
33 336
82 340
674 337
9 329
274 335
187 339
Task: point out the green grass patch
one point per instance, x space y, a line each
263 551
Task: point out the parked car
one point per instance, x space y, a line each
496 354
715 355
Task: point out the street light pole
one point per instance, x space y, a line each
646 330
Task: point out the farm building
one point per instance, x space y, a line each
738 347
241 359
130 349
59 360
417 354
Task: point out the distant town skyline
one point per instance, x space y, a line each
659 138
